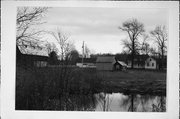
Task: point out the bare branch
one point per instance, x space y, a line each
62 39
27 19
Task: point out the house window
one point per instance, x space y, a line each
148 64
150 59
152 64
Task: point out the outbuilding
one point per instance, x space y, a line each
120 65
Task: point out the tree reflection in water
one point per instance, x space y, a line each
132 103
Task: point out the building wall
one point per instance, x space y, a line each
135 65
85 64
40 63
104 66
150 63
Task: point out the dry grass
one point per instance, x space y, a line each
135 81
36 86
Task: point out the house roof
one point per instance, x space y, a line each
138 57
33 51
21 55
105 59
122 63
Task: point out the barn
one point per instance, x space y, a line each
30 59
105 62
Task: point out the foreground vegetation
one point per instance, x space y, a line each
135 82
35 87
40 88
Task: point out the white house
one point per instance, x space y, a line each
150 63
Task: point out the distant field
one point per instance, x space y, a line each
134 81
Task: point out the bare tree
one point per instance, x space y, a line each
145 47
64 43
134 30
50 47
86 52
72 56
154 52
160 37
27 20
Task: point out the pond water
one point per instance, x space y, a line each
133 103
110 102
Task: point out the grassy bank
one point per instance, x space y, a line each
37 87
134 81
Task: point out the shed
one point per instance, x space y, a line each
120 65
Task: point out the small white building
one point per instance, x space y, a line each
87 62
150 63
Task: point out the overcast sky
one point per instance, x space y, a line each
98 27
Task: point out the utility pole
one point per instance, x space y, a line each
82 53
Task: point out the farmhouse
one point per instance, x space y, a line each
30 59
87 62
105 62
139 61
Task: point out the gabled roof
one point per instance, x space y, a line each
23 56
105 59
138 57
122 63
32 51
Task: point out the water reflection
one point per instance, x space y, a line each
133 103
109 102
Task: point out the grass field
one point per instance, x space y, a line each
36 86
134 81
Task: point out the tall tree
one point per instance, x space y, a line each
145 47
26 26
53 58
64 43
73 56
134 28
86 52
160 37
50 47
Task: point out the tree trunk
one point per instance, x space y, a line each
132 102
162 59
132 56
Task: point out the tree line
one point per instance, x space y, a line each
136 32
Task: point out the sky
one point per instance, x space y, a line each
98 27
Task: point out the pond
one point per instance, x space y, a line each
116 102
133 103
